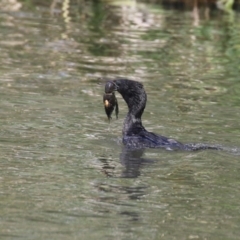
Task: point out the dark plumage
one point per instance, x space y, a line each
134 134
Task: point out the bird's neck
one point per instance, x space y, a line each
135 96
132 124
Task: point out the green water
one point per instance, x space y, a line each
63 172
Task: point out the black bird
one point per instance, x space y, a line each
134 134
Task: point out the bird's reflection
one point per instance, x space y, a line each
117 191
132 160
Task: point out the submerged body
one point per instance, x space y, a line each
134 134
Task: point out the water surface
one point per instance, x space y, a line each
64 173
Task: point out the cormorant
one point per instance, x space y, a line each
135 136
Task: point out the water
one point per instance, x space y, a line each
63 172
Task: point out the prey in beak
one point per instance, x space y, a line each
110 100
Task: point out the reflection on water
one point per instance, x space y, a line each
132 161
64 174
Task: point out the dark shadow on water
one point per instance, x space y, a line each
133 161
